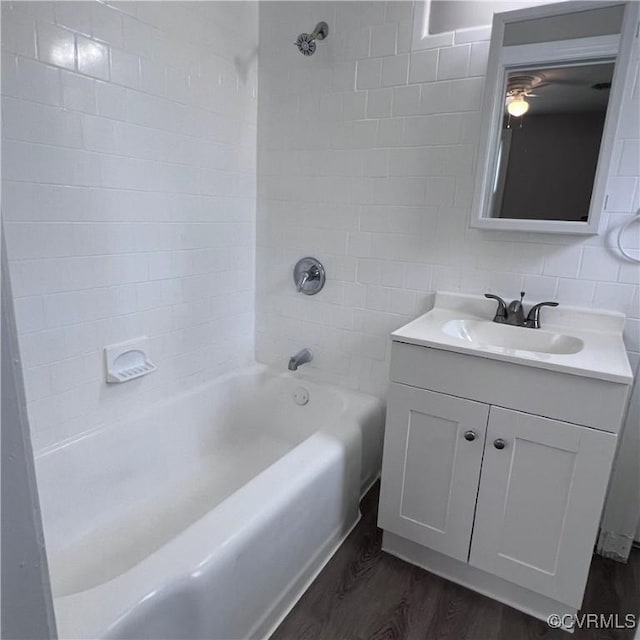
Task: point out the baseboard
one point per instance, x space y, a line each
614 546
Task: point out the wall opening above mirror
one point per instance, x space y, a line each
552 100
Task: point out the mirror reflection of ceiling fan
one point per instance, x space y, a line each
520 87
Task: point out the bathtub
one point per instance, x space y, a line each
208 516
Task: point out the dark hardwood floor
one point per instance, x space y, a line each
365 594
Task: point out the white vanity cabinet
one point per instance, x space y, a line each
495 473
539 502
431 471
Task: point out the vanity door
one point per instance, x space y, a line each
431 467
541 494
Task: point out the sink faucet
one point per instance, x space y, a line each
513 313
302 357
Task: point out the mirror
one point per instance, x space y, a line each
550 141
553 93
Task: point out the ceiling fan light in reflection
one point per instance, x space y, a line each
517 106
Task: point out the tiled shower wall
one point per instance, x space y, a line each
128 197
366 160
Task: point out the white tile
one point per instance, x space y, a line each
402 301
629 271
423 66
111 100
453 62
615 297
354 105
405 34
38 82
406 101
10 86
418 276
18 32
383 40
368 74
432 130
540 288
562 261
599 263
576 292
37 381
632 334
99 134
56 46
30 314
398 10
106 24
74 15
394 70
93 58
344 76
479 59
378 298
153 76
379 103
78 92
392 273
41 123
125 68
620 193
629 164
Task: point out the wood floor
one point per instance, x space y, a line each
365 594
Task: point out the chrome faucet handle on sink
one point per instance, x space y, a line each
501 311
533 317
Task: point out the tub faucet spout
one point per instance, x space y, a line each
302 357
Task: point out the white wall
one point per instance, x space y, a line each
366 160
129 137
26 608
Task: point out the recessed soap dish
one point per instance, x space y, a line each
127 361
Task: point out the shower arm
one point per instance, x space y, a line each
320 32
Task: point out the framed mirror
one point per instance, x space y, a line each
554 87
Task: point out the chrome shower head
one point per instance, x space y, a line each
306 41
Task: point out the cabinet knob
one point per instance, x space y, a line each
499 443
470 435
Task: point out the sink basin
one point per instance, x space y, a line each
483 333
584 342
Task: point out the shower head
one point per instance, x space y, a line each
306 41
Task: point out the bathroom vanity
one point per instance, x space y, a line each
499 445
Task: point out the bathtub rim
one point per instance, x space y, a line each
255 367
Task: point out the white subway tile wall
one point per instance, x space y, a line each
373 174
129 171
129 194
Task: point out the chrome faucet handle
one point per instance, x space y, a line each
303 280
313 273
533 317
501 311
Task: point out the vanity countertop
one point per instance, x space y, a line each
583 342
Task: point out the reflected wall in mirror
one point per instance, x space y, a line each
554 85
550 141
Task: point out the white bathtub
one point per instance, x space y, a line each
208 516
